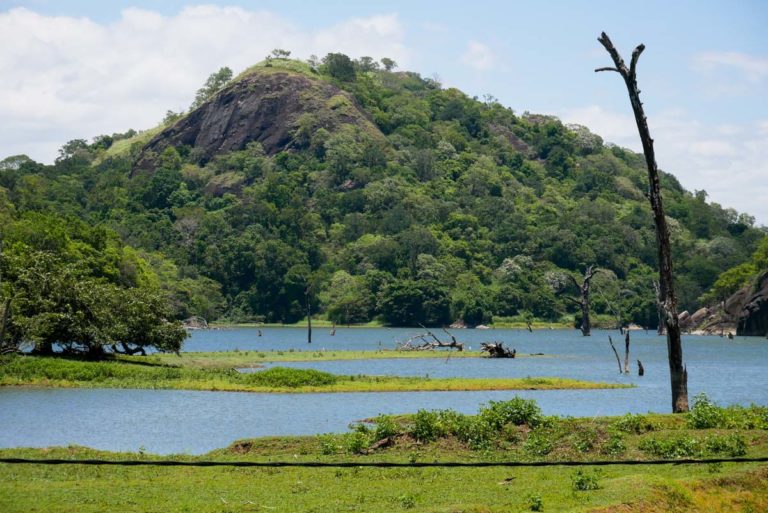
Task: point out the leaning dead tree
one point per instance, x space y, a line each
667 298
618 360
583 301
428 341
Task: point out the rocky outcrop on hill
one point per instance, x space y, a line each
745 313
277 108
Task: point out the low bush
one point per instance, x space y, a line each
729 445
385 427
538 443
672 448
517 411
705 414
688 447
291 378
583 481
633 424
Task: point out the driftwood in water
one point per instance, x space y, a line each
618 360
626 353
427 344
667 298
497 350
640 369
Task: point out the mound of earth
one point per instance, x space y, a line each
279 109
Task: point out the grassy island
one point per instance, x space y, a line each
149 373
244 359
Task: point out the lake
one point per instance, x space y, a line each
171 421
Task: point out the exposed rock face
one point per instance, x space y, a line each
264 106
745 313
753 315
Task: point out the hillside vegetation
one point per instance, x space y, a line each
363 193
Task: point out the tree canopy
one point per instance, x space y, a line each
455 208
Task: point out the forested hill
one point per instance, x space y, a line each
371 192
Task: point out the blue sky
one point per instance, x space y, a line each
83 68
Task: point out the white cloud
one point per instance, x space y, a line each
66 77
729 161
478 56
754 68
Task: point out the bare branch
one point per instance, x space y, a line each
617 60
607 68
633 61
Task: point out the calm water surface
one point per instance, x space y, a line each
170 421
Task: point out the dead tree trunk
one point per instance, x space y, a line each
618 360
661 329
583 302
640 369
626 353
309 316
668 300
3 325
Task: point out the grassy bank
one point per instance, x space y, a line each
514 431
241 359
149 373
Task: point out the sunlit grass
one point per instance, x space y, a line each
69 373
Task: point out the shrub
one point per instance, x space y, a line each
705 414
615 444
407 501
585 440
633 424
538 444
535 503
582 481
385 427
292 378
426 426
677 447
477 433
517 411
329 444
731 445
357 442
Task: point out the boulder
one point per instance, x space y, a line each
753 317
699 315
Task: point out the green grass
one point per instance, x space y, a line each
123 146
124 373
240 359
636 488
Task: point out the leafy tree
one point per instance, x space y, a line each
388 64
215 82
339 66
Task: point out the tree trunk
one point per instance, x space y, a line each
4 322
309 317
618 360
667 298
583 302
626 353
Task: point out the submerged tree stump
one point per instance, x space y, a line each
497 350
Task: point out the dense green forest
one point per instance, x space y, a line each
423 205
